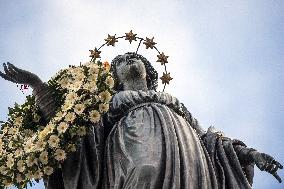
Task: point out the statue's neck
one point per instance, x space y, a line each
135 85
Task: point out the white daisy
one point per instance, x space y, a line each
60 155
38 175
70 117
31 161
79 108
110 82
62 127
94 116
40 145
103 107
53 141
21 166
48 170
81 131
19 178
44 157
93 78
105 96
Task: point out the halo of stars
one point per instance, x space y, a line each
149 43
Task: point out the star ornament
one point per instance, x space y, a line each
162 58
166 78
130 36
111 40
149 43
95 53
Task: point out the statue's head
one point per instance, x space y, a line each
132 66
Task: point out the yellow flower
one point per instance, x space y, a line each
60 155
53 141
79 108
105 96
110 82
103 107
48 170
43 157
62 127
95 116
70 117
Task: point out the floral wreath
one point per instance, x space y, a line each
30 149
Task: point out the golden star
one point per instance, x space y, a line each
95 53
130 36
149 43
162 58
111 40
166 78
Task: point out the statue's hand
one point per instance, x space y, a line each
17 75
267 163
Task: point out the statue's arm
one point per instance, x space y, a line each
45 100
41 91
263 161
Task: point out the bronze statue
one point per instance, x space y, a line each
148 139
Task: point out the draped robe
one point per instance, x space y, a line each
150 145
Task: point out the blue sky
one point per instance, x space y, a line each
226 57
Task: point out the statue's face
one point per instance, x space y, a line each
130 68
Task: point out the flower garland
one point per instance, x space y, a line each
29 149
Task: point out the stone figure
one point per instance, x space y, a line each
148 139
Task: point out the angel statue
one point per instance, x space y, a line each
147 139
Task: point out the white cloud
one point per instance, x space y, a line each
220 54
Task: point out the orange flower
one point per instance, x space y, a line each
106 65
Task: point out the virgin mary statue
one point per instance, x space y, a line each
148 140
